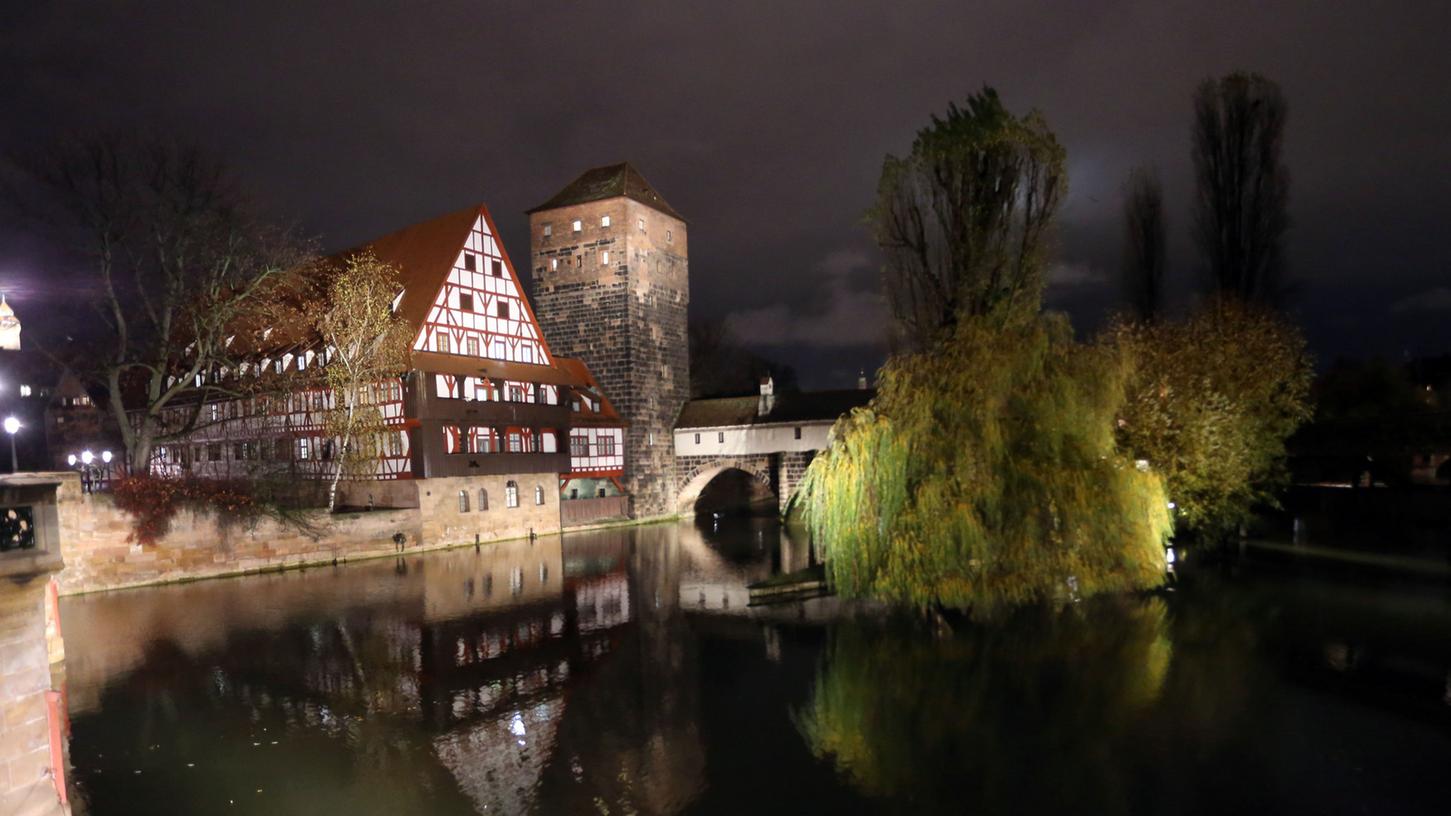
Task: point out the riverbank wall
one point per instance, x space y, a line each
100 555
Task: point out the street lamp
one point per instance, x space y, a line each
12 427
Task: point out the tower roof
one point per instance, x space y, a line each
610 181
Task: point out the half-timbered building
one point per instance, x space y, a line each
484 396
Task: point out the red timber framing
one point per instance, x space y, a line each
484 394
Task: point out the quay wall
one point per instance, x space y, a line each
100 555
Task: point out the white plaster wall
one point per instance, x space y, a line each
745 441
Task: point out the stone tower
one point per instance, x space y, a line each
611 287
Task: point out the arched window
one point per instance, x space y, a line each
463 501
483 500
538 494
511 493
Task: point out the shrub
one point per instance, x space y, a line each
153 502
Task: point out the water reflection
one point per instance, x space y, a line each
623 672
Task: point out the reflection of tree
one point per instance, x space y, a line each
1026 712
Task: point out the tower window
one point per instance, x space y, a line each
604 221
641 222
669 236
466 301
798 433
605 258
720 436
697 439
498 268
469 261
502 309
553 264
577 225
548 230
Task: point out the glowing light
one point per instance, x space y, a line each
87 457
1172 505
12 425
517 726
106 457
71 460
1169 555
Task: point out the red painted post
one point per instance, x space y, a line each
55 714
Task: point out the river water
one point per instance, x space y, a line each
621 672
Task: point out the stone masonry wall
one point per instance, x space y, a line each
99 556
626 319
26 788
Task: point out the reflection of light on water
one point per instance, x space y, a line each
517 726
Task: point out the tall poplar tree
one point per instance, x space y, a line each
1242 185
1144 247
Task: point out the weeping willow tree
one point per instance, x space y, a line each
985 473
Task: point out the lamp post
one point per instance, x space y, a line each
12 427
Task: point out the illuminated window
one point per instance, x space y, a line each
472 344
604 221
538 494
553 264
577 225
548 230
511 494
302 448
24 390
440 343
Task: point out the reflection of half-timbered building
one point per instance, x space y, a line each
485 396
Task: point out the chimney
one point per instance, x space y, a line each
861 379
768 396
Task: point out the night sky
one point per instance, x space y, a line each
765 125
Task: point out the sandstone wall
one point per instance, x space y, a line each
25 783
99 556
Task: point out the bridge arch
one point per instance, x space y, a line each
696 476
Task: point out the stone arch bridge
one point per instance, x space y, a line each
772 476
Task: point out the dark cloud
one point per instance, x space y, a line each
765 123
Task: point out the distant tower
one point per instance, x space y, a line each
9 326
611 286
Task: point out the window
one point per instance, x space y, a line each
538 494
440 343
498 268
604 221
236 451
215 410
605 258
720 437
798 433
302 448
516 442
395 444
641 222
605 446
553 264
24 390
472 344
578 446
279 450
214 452
669 236
511 493
574 492
483 500
469 262
577 225
697 439
463 501
502 310
548 230
466 301
326 447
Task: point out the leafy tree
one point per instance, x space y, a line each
985 473
1144 252
963 219
721 367
1240 205
174 260
1210 403
366 344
